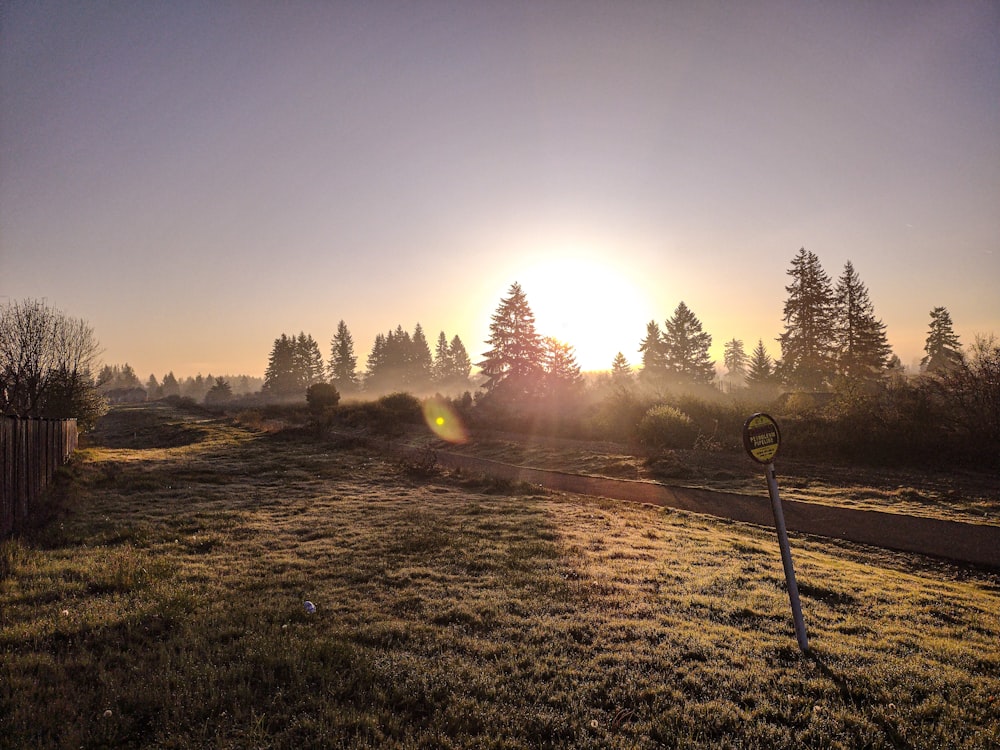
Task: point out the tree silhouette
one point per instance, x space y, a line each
760 367
343 362
944 352
513 364
807 345
686 347
419 363
308 360
294 364
377 364
461 364
654 355
153 389
220 393
170 386
46 361
562 373
442 367
861 346
735 359
452 365
621 370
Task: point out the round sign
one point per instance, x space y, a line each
761 438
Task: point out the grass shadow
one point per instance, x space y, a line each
851 697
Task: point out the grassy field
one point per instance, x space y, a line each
958 495
161 605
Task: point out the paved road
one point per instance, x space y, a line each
978 544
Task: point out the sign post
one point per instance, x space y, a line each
761 438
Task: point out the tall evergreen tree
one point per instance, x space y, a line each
153 389
562 373
280 380
442 368
461 364
944 352
343 372
293 365
621 370
375 368
861 346
735 359
452 365
308 360
760 367
513 363
419 364
654 355
807 345
220 393
170 386
686 347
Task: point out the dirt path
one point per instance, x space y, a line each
978 544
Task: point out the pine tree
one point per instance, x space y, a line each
419 363
397 357
170 386
513 363
654 356
862 349
375 368
807 345
461 364
442 367
308 361
343 362
735 359
153 389
621 370
686 347
562 373
280 380
220 393
760 368
944 352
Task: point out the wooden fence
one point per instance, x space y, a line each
30 452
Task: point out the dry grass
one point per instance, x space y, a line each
163 607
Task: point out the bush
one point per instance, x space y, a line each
321 397
664 426
403 408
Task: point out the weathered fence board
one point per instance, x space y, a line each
30 452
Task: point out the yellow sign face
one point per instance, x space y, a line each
761 438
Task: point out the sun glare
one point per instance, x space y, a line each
588 304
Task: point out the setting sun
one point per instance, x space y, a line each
588 304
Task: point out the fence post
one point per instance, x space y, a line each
7 453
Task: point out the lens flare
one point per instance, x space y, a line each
443 421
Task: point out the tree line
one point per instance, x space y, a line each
120 384
831 336
398 360
832 343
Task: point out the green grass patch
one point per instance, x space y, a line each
165 609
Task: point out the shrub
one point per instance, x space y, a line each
403 408
321 397
664 426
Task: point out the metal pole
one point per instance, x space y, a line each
786 560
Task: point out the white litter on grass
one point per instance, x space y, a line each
310 607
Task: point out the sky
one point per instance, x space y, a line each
196 178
